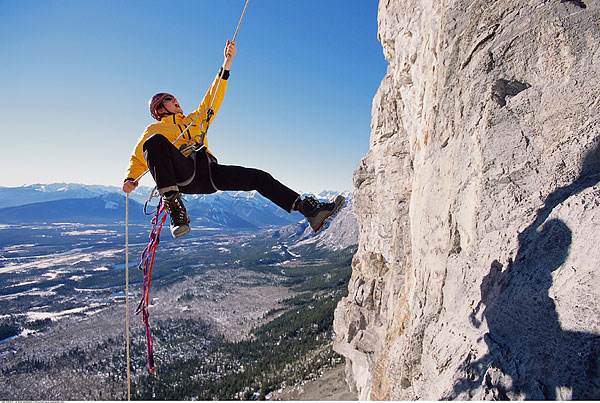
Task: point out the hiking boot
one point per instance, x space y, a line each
317 213
179 218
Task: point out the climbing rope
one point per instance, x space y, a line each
146 264
210 112
127 295
147 260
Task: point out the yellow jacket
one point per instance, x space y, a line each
171 127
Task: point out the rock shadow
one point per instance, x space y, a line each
530 356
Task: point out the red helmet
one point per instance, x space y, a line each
156 102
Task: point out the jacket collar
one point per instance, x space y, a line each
173 119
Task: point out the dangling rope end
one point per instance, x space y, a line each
127 336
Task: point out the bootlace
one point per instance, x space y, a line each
176 210
310 206
318 204
312 203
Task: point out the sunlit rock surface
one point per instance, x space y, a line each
477 274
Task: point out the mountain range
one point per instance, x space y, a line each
66 202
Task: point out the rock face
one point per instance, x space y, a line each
477 274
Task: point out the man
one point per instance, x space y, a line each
165 150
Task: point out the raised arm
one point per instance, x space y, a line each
218 87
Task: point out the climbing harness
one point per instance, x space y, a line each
158 221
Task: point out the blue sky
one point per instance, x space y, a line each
76 77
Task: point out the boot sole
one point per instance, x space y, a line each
339 203
180 231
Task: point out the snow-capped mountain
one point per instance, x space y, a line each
244 209
103 208
19 196
69 201
340 233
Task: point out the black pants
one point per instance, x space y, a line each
202 174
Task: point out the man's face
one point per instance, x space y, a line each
172 105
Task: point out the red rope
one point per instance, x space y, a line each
146 264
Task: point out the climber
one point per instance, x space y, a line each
165 150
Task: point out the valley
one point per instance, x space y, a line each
235 314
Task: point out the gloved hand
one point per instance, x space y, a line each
229 52
129 185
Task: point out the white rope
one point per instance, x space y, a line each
214 97
237 29
127 337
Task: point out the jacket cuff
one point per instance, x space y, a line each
128 179
225 74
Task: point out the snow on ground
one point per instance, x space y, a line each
54 315
45 226
293 254
77 278
285 250
35 292
92 308
92 289
68 258
280 263
101 268
22 283
51 275
90 232
14 248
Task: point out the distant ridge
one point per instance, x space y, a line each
26 194
107 208
72 202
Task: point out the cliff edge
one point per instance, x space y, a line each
477 274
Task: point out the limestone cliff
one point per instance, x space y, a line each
477 274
